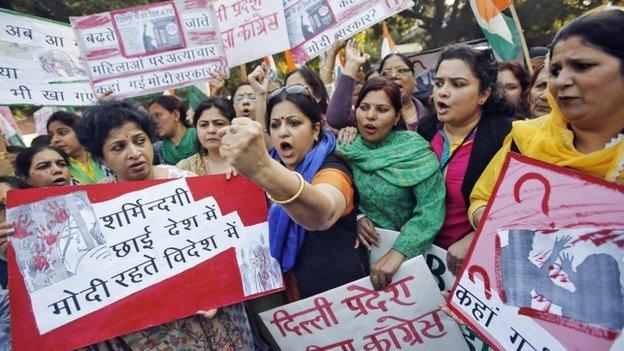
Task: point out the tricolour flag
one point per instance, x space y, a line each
500 30
387 44
270 62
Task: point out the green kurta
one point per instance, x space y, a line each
400 188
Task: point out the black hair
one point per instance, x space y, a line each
602 29
316 85
483 65
14 182
99 119
220 103
172 104
305 103
23 161
14 148
387 86
403 58
67 118
40 140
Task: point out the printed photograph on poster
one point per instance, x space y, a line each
56 239
552 274
545 268
259 270
148 29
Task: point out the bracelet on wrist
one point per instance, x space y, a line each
294 197
359 216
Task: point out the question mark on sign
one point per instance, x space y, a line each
541 179
474 269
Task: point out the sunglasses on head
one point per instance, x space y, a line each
296 89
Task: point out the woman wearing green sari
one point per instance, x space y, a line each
83 167
397 176
179 138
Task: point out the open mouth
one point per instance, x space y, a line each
137 167
286 149
59 181
442 107
370 128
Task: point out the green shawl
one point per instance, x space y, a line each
174 154
400 187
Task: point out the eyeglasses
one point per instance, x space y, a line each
399 71
241 97
296 89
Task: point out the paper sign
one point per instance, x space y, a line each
40 63
81 258
251 29
546 268
151 48
313 24
404 315
435 258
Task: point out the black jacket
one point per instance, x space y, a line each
488 139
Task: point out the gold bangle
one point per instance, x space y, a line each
294 197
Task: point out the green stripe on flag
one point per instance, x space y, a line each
505 50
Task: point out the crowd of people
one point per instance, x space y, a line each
336 167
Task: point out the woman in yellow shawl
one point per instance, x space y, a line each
585 130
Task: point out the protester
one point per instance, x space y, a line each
536 96
309 78
472 120
6 229
43 166
394 66
244 101
178 137
210 116
397 177
514 80
120 133
84 169
312 217
585 130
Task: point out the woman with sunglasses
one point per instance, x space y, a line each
178 136
311 217
395 67
398 180
244 101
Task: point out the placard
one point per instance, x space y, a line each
545 270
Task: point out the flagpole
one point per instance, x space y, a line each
243 69
525 49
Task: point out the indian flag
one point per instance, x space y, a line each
387 44
499 30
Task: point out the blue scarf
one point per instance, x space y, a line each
286 236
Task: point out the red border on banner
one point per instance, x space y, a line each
533 162
211 284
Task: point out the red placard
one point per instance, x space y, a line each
213 283
525 283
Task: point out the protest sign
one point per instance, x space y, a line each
404 314
251 29
545 270
313 24
84 256
151 48
41 63
435 258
